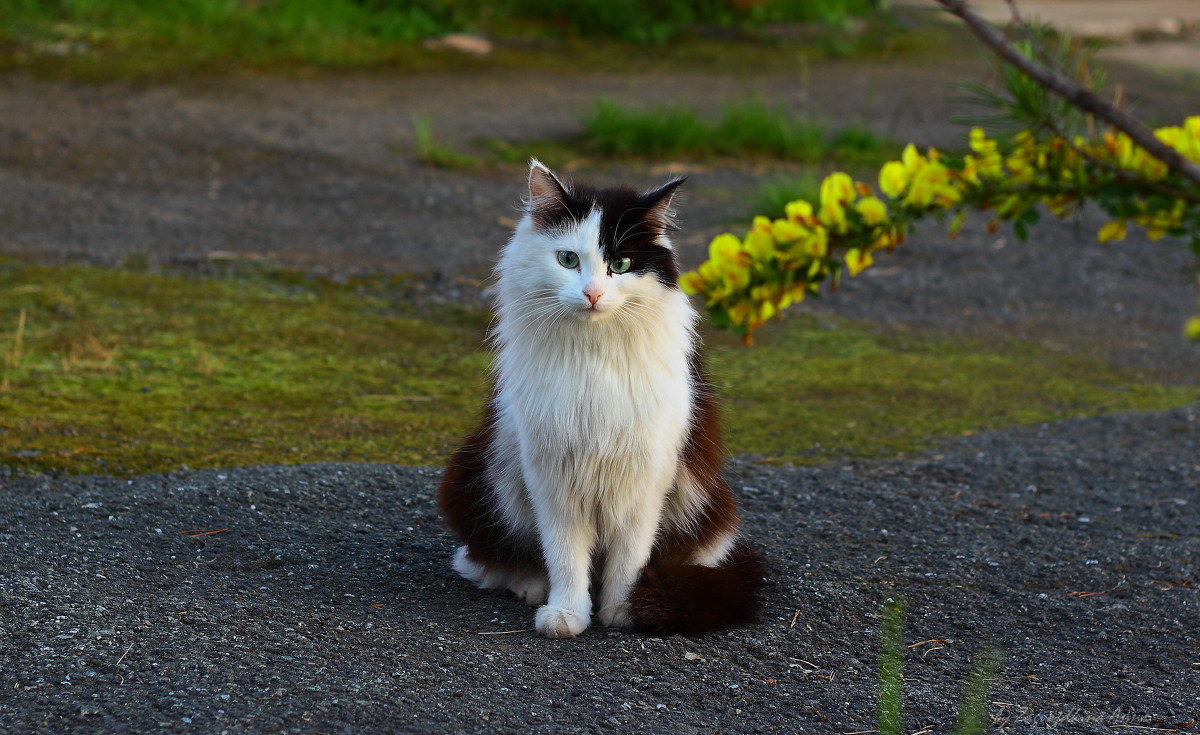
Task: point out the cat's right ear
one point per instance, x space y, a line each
547 195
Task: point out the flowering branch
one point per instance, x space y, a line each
747 281
1072 91
1149 178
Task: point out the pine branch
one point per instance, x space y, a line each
1073 92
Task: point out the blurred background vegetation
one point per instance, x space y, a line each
149 36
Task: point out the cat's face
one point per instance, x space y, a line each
588 253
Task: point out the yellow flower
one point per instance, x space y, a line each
799 211
873 210
762 293
762 224
724 273
1160 223
1020 167
739 313
1112 231
1121 147
816 242
724 248
692 283
970 169
1184 139
893 179
1191 330
837 190
787 230
711 282
796 293
760 245
1062 205
1189 143
912 158
989 164
932 185
889 238
857 261
980 143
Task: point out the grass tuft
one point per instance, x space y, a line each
751 129
971 716
891 662
772 197
433 153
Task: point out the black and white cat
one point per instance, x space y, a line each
598 461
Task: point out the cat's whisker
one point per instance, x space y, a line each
622 237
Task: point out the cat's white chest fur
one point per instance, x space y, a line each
593 405
600 393
592 423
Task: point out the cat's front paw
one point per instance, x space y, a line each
615 616
557 622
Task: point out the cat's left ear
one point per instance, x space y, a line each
659 211
547 195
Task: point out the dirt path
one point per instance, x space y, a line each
321 172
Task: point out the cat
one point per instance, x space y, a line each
599 455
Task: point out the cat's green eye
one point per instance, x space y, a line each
620 265
568 259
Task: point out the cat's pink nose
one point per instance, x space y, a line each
593 294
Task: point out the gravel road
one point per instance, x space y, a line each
320 599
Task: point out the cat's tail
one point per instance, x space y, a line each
689 599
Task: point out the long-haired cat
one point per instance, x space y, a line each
597 465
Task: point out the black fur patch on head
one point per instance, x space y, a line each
631 224
552 204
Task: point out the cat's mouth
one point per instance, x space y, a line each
592 312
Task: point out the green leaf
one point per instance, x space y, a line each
972 708
891 655
720 317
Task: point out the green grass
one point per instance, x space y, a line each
105 39
432 152
773 195
662 21
122 372
750 129
891 664
809 390
971 715
125 372
185 33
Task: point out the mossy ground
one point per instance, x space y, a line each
115 371
128 372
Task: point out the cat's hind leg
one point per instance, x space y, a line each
528 585
716 550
